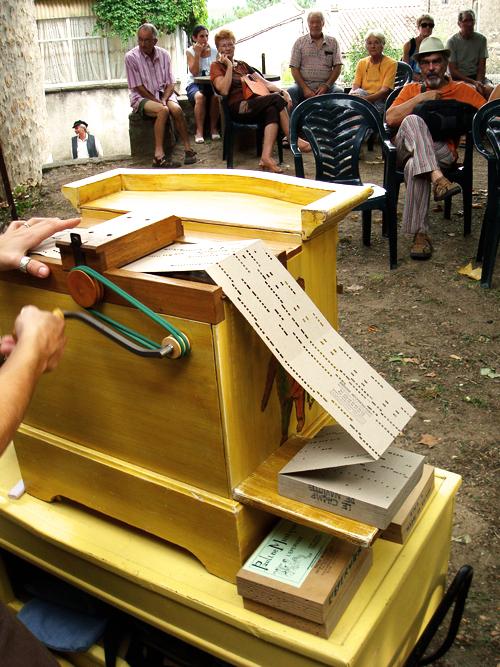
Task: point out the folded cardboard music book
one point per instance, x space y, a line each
329 472
303 578
406 517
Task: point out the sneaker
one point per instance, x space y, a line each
443 188
189 157
421 247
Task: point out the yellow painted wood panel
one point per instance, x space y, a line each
219 532
161 414
260 490
168 588
225 208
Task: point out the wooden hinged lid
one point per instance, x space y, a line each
260 490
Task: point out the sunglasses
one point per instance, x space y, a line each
426 25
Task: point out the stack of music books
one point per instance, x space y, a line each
303 578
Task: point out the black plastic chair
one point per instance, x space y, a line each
486 135
233 125
460 172
336 125
404 74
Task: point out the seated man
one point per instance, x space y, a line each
468 53
422 157
315 62
83 144
151 85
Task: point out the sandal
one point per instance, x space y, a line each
444 188
199 140
165 163
422 246
273 168
215 136
189 157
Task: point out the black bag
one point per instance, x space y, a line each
446 119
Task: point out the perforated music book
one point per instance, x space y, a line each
327 474
309 348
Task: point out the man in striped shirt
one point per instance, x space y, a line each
151 85
422 157
315 62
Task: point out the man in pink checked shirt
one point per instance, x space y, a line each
151 85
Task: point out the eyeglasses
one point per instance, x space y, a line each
426 25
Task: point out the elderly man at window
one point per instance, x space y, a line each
83 144
468 53
315 62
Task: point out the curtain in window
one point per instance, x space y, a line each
55 51
88 50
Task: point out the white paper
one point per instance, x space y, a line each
310 349
187 256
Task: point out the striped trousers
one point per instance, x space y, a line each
415 145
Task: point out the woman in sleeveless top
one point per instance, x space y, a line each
199 58
425 25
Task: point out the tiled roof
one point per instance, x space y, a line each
397 21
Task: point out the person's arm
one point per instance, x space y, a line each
495 93
21 236
193 61
481 70
358 77
222 84
334 75
297 76
35 348
144 92
273 88
381 94
406 53
398 112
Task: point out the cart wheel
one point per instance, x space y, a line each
457 595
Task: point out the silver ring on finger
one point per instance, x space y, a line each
26 224
23 264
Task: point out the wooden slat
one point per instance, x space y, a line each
260 490
169 296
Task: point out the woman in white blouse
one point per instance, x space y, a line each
199 58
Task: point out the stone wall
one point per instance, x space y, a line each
22 101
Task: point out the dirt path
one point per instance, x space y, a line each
431 333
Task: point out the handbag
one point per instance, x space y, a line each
252 88
446 119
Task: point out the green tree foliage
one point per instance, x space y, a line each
250 7
358 51
121 18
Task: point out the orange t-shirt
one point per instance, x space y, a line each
453 90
